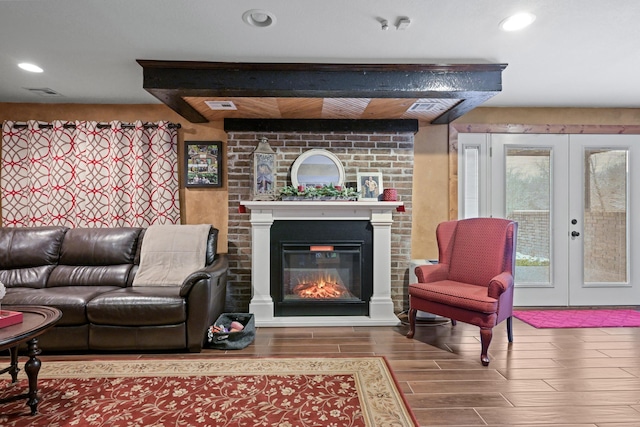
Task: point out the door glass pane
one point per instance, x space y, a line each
605 216
528 201
471 184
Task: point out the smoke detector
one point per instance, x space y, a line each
403 23
44 92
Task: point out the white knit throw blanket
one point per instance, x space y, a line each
170 253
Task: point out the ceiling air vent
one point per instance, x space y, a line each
221 105
423 106
44 92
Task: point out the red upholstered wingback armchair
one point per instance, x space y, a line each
473 280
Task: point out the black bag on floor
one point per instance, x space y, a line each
231 340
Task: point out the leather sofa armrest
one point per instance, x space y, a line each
205 293
500 284
219 266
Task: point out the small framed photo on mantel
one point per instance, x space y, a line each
369 185
203 164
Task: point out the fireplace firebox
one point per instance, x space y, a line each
321 268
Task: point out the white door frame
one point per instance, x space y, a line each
566 285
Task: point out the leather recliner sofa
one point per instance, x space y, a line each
88 274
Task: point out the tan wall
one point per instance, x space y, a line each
199 206
431 181
430 189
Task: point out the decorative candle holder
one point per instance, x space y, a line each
263 181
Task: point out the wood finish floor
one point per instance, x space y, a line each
546 377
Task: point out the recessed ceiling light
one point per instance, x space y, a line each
30 67
259 18
518 21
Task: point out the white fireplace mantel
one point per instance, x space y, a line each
264 213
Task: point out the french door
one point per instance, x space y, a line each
573 198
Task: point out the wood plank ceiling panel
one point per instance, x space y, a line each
252 108
300 108
343 108
328 108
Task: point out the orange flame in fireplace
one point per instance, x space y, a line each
320 287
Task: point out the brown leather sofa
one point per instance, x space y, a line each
88 273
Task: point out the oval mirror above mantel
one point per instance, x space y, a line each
317 167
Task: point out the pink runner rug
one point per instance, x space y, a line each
579 318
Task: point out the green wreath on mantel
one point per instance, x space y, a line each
319 192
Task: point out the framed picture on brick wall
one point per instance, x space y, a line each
369 185
203 163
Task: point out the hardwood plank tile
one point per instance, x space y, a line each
610 338
635 371
595 384
610 345
609 362
502 364
547 354
386 347
419 355
517 339
462 386
545 415
457 400
553 373
412 365
573 398
446 417
632 352
450 375
322 341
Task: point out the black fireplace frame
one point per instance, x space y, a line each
321 232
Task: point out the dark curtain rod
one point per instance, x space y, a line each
100 125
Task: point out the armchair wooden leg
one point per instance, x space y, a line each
485 339
454 322
510 328
412 322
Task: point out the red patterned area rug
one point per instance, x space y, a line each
579 318
278 392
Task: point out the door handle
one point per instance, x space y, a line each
574 234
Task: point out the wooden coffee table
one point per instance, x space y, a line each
36 321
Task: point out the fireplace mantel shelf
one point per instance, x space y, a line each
312 204
264 213
330 209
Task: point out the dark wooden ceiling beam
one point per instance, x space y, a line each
170 81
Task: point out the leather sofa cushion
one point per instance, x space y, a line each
71 300
139 306
28 253
32 277
99 246
81 275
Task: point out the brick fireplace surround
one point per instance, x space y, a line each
389 153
